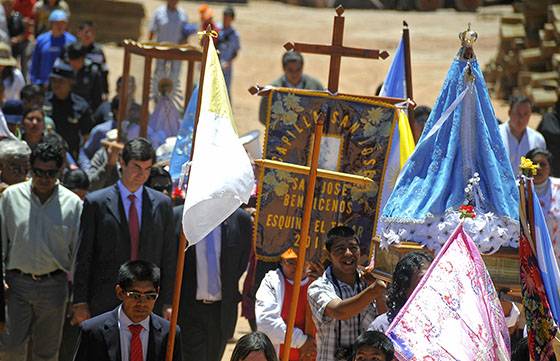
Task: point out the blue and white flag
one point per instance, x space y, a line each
547 261
182 150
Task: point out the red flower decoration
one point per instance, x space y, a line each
467 211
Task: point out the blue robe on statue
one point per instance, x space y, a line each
460 142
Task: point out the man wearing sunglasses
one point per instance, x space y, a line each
39 233
131 331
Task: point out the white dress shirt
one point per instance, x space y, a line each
518 148
268 310
126 335
202 266
126 202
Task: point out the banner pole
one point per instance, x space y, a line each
304 235
408 71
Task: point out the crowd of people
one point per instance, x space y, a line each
90 232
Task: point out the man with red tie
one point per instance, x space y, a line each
124 222
130 332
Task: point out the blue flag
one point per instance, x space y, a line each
547 261
395 81
182 150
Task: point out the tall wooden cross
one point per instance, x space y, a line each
336 50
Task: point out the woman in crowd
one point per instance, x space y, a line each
548 191
33 126
255 346
409 271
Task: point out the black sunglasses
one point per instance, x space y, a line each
49 173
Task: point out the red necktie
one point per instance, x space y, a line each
133 228
136 343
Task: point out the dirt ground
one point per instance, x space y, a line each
265 26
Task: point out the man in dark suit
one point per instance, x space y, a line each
210 292
131 330
123 222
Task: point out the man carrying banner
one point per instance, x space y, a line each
273 304
343 301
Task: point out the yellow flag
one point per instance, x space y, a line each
406 140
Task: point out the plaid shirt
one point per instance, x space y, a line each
319 294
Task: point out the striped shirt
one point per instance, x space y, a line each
319 294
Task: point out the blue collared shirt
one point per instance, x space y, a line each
228 44
202 275
126 202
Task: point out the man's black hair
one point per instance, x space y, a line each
46 152
377 340
254 342
85 24
421 114
518 99
75 50
157 171
31 91
138 271
138 149
410 264
338 232
33 108
228 11
539 151
56 139
75 179
290 56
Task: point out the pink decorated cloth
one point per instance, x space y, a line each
454 313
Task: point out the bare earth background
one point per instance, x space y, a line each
265 26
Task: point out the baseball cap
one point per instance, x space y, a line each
62 69
58 15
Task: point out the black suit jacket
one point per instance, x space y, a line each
236 246
105 246
100 339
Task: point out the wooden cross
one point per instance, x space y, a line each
336 50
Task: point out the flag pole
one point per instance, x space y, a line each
304 235
523 214
182 238
408 70
531 210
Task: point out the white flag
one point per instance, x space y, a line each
221 176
